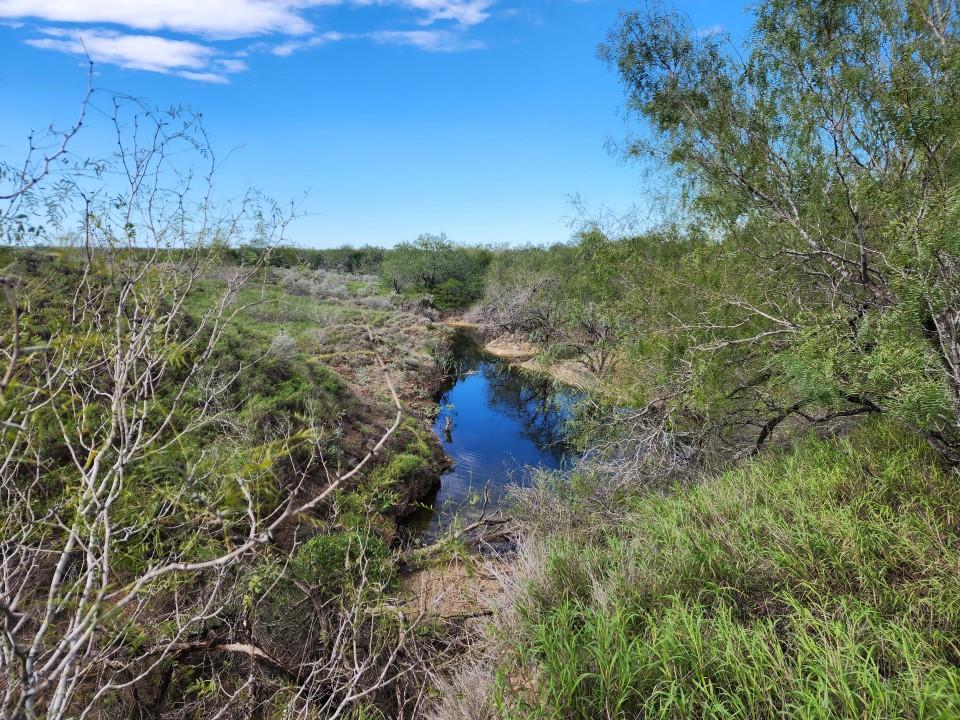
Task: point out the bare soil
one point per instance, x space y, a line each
460 589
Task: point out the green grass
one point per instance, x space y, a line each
822 584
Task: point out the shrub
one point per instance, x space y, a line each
337 562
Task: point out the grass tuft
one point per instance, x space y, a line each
821 584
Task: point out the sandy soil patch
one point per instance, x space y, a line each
511 349
459 589
458 323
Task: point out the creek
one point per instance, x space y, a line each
498 423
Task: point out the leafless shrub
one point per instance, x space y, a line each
633 452
638 447
324 284
528 309
18 185
375 302
596 337
295 281
331 284
418 306
518 307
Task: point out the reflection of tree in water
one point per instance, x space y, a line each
468 354
525 407
541 409
533 401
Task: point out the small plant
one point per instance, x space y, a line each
334 563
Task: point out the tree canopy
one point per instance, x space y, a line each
824 165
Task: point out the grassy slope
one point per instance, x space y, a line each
825 583
299 344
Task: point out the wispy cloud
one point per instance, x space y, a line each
426 40
207 77
90 27
141 52
429 40
211 18
711 30
226 18
464 12
292 46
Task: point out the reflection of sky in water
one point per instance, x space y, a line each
502 422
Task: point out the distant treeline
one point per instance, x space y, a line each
449 275
365 260
432 267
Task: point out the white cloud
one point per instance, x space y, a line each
427 40
289 48
152 53
207 77
140 52
464 12
140 46
711 30
229 65
224 18
214 18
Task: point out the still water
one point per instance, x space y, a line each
497 423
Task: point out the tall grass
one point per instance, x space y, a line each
821 584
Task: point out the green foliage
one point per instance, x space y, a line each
411 457
348 259
278 391
401 466
453 276
386 481
416 439
819 165
335 562
169 404
339 566
819 168
818 584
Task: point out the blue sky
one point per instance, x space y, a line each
478 118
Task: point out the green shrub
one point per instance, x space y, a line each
333 563
453 276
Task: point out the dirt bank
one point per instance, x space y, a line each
526 354
512 349
568 372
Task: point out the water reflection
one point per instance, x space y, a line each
534 402
496 423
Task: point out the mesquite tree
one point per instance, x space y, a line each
823 162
